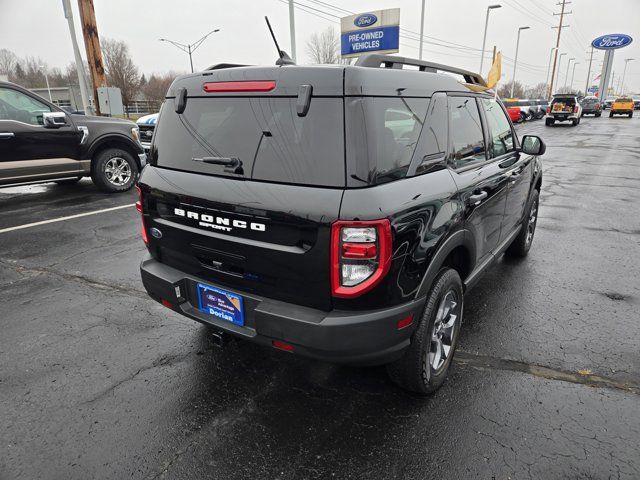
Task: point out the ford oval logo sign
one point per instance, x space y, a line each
365 20
609 42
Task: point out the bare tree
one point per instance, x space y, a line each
505 90
156 86
537 91
323 47
120 70
8 61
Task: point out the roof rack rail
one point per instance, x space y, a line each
220 66
377 60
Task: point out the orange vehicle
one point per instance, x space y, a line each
622 106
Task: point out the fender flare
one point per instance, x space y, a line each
99 142
459 238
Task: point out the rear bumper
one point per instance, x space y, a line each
357 338
561 117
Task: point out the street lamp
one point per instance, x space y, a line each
572 75
190 48
558 75
46 79
624 72
484 38
549 67
566 75
515 61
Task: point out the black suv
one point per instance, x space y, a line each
338 212
40 142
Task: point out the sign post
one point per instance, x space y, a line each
609 43
376 31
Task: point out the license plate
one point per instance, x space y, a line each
221 304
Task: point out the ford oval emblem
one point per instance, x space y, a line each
155 233
365 20
612 41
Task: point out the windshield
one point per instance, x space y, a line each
263 136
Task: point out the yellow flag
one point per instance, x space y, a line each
496 70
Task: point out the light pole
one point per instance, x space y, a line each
190 48
586 88
624 72
484 38
566 75
549 67
421 30
46 79
573 74
559 63
515 61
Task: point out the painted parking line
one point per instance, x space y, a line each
62 219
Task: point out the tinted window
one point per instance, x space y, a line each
265 133
501 139
382 133
465 132
433 141
15 105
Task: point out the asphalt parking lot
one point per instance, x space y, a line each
99 381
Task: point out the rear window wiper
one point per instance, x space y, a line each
232 164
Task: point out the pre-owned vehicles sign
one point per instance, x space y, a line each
377 31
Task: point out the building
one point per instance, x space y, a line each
62 96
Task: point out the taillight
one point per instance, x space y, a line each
140 208
241 86
549 109
575 109
360 256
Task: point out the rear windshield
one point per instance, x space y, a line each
265 133
590 100
624 100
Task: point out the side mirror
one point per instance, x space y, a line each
533 145
54 119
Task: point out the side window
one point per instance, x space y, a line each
501 140
465 127
432 146
15 105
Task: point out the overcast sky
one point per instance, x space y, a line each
38 28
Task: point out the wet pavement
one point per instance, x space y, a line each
98 381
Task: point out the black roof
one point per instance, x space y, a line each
371 75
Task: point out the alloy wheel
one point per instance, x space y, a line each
117 171
444 330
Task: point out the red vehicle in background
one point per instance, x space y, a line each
514 114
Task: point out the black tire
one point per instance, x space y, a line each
598 114
68 181
414 371
521 245
110 157
574 122
549 121
610 114
631 115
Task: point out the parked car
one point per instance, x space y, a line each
40 142
564 108
636 102
515 114
622 106
526 112
591 106
300 221
147 125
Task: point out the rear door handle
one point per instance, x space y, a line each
477 198
6 135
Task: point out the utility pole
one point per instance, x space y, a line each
92 45
586 88
422 32
559 27
82 80
292 30
46 79
484 38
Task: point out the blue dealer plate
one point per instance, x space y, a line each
224 305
